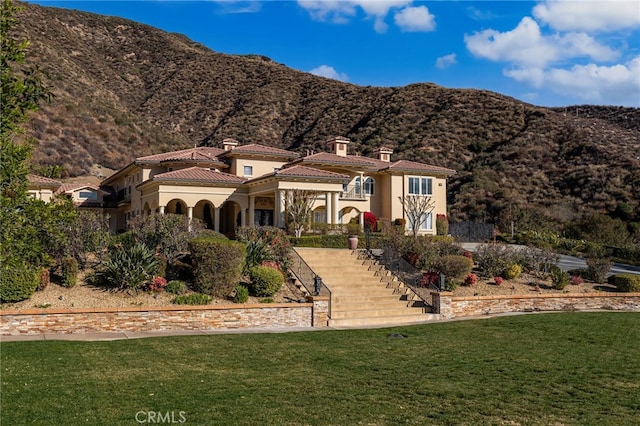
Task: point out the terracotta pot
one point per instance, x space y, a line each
353 242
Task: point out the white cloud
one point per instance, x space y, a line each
599 15
526 46
342 11
446 61
414 19
329 72
616 84
480 15
239 6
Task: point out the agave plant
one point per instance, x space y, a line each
129 266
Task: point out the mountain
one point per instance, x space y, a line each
124 89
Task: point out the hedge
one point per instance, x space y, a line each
626 282
335 241
18 281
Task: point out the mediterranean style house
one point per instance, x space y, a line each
244 185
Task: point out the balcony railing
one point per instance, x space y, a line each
353 192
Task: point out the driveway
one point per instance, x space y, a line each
568 263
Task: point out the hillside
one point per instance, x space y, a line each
124 89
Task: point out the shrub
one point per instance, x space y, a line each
454 266
265 281
559 278
429 279
370 221
493 259
275 238
176 287
69 267
217 265
258 252
537 261
192 299
442 224
471 279
498 280
128 267
45 279
157 284
626 282
576 280
18 281
242 294
598 269
512 271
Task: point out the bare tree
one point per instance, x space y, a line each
416 207
298 205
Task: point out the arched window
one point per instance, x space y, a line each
367 188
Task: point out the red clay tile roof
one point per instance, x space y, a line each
412 166
329 159
202 153
42 181
257 149
304 172
70 187
198 174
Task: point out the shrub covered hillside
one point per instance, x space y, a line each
124 89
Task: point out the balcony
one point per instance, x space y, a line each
352 192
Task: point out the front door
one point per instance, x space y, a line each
263 217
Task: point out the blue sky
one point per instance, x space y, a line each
548 53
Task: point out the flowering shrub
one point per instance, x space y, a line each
468 254
576 280
428 279
498 280
471 279
370 221
157 284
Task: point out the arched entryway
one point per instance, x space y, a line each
347 214
176 206
230 218
205 211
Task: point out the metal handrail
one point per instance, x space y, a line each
404 271
353 192
307 277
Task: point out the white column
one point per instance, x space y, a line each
243 217
190 216
328 208
252 210
280 208
216 219
361 194
361 220
335 207
161 209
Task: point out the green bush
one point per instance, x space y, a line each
454 267
258 251
69 268
242 294
217 265
265 281
18 281
493 259
626 282
128 267
192 299
598 269
176 287
512 271
559 278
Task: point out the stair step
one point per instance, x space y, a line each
382 321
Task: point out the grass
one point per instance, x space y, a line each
565 368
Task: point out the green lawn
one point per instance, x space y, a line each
565 368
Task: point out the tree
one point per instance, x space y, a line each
298 207
22 242
416 208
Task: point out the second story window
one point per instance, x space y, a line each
247 170
420 186
366 188
88 195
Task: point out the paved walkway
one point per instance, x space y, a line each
123 335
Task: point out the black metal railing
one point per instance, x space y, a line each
353 192
308 278
406 273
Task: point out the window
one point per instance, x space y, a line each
87 195
420 186
319 216
367 188
426 222
248 170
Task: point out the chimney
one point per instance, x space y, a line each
338 145
228 144
384 154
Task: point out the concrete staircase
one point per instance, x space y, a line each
363 292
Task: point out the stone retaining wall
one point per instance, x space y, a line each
206 317
449 306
